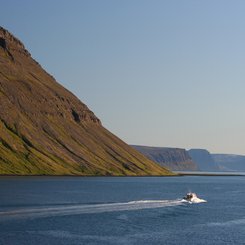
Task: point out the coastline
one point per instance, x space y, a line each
199 173
66 175
176 174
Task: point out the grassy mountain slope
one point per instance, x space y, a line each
45 129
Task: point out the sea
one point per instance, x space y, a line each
122 210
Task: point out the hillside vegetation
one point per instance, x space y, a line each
46 130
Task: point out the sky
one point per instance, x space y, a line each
166 73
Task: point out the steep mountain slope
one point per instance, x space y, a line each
171 158
230 162
203 159
45 129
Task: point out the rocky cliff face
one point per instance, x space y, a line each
171 158
45 129
230 162
203 159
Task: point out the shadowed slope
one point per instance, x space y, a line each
204 160
171 158
45 129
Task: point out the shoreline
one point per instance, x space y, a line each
88 176
210 173
176 174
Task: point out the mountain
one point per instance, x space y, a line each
46 130
203 159
171 158
230 162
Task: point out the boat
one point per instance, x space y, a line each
191 197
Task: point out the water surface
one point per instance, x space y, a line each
121 210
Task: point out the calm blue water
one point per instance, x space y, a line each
127 210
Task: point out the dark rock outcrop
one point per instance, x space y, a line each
45 129
172 158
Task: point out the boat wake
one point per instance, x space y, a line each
87 208
196 200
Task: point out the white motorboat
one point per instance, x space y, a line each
191 197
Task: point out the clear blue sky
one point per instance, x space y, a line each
160 73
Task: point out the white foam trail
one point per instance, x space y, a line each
195 200
198 200
88 209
